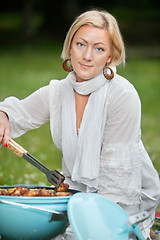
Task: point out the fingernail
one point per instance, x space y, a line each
5 144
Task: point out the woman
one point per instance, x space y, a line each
94 118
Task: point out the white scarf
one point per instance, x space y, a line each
81 153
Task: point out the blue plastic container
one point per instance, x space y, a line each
94 217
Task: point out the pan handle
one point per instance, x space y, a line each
55 215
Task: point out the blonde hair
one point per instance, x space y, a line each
101 19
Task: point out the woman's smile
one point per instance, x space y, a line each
86 66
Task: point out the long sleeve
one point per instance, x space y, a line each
123 118
28 113
120 165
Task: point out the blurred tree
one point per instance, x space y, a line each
27 19
58 15
55 18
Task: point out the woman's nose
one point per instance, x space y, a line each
88 54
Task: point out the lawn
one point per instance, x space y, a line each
25 69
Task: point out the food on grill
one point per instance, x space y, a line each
63 187
40 192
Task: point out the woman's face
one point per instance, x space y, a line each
90 51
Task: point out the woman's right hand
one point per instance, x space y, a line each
5 129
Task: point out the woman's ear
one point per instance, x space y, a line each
109 60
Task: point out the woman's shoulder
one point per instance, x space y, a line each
55 83
55 86
52 91
121 88
122 83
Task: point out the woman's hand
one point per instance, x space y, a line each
5 129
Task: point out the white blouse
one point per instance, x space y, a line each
127 175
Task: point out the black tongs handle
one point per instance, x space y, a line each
21 152
35 163
54 177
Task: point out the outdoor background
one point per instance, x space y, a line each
31 41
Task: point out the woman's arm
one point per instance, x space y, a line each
120 165
124 118
23 115
5 128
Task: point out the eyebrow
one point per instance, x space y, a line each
94 43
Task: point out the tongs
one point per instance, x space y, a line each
54 177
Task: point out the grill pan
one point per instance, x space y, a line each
32 218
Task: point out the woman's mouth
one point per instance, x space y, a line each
85 66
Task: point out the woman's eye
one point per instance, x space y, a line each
80 44
99 49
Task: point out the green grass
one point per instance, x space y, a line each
25 69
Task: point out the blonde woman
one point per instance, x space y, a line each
95 118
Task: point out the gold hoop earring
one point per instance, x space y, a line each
67 65
108 73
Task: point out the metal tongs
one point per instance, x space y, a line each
54 177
